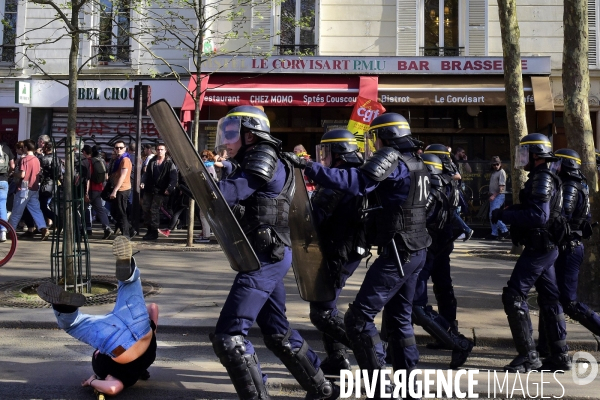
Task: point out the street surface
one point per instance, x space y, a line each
38 361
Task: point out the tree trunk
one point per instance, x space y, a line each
69 223
578 128
513 83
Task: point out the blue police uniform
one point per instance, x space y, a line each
440 215
570 257
529 222
383 284
337 216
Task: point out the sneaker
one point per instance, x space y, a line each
462 236
45 233
202 240
468 235
122 252
491 237
3 236
164 232
55 294
504 235
107 233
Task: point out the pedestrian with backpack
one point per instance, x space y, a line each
95 185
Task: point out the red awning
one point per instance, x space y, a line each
282 90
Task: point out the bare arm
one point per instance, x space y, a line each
110 385
122 177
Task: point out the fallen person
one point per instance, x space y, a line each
124 339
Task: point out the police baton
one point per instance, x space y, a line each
400 269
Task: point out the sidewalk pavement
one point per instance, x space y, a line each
194 284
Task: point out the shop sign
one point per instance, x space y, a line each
449 98
22 92
371 65
344 99
98 94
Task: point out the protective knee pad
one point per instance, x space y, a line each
444 295
584 315
363 345
311 379
518 320
241 367
433 324
330 325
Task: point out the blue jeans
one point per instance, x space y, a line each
494 205
462 224
31 201
3 198
124 326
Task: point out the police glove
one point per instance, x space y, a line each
496 215
297 162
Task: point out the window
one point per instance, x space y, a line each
9 31
297 27
441 28
113 39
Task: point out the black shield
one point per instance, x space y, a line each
206 192
312 274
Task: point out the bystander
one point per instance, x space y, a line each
496 191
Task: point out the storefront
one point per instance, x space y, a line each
104 112
457 101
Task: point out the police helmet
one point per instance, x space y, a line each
394 130
534 143
568 159
539 144
433 163
249 117
341 142
439 150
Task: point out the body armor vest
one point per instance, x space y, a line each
260 211
409 219
454 195
556 227
342 231
579 216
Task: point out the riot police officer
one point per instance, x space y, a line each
399 181
443 326
338 217
259 191
537 224
576 209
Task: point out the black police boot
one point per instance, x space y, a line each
557 362
337 357
462 347
326 322
542 345
310 378
241 367
584 315
519 323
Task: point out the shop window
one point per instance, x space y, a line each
114 19
297 28
9 31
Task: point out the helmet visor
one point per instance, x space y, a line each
555 166
521 156
324 154
228 131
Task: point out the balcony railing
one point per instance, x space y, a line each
120 54
442 51
297 49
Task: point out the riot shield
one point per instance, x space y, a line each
206 192
312 276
